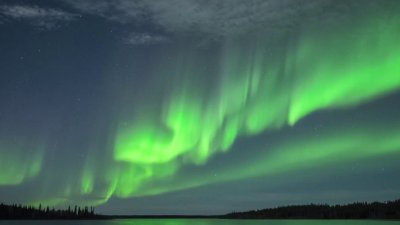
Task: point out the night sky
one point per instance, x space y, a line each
199 106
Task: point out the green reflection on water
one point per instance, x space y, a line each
247 222
204 222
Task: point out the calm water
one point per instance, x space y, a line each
204 222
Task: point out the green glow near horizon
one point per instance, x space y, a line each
19 162
301 153
329 148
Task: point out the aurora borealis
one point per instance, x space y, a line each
290 103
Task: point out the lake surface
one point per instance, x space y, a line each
204 222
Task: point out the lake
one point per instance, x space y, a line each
203 222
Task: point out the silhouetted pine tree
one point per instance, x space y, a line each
374 210
30 212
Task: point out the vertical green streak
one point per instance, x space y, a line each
19 161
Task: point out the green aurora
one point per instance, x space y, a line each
19 162
257 88
256 94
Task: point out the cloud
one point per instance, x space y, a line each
229 17
214 17
124 11
145 39
44 18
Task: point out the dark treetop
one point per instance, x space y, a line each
363 210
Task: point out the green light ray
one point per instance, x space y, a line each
19 161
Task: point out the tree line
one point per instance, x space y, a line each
30 212
359 210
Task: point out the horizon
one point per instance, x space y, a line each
172 106
91 209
